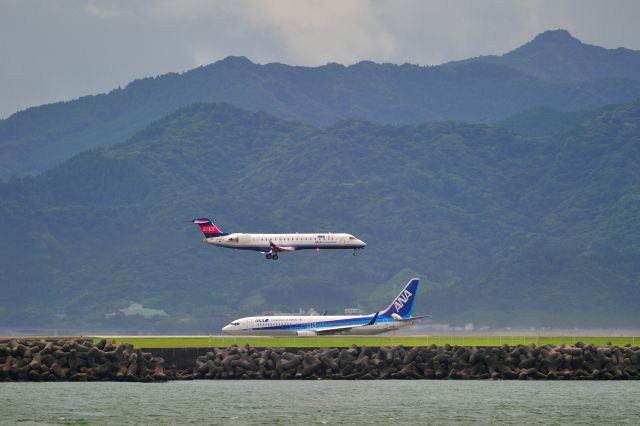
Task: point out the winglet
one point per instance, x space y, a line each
373 320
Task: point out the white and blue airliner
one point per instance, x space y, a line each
272 244
397 315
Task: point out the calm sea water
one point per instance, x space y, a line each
321 402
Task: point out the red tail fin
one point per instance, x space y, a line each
207 227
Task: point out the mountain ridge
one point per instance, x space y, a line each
478 90
555 55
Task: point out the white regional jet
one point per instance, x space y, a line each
396 316
272 244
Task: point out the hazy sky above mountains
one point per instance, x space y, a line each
59 50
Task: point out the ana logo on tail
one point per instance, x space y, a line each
402 299
402 305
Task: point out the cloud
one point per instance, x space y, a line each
61 50
303 32
103 11
317 32
186 9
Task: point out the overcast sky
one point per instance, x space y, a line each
59 50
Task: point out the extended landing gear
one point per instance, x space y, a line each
355 251
272 256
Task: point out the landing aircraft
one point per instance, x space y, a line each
397 315
272 244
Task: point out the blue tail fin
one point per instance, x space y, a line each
403 304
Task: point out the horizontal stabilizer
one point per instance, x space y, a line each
415 318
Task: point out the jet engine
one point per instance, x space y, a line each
306 333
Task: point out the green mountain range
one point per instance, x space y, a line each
503 228
554 71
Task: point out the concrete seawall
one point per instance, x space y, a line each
434 362
81 360
77 360
179 358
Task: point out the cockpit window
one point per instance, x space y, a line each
352 238
235 323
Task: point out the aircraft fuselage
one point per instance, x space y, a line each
286 242
299 325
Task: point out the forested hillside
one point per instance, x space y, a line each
548 122
551 71
505 229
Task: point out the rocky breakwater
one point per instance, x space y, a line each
546 362
81 360
77 360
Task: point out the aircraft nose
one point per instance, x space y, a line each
226 329
363 243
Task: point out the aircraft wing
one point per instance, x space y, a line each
340 328
276 249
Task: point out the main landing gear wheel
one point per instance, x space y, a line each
274 256
269 256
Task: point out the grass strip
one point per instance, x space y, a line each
346 341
